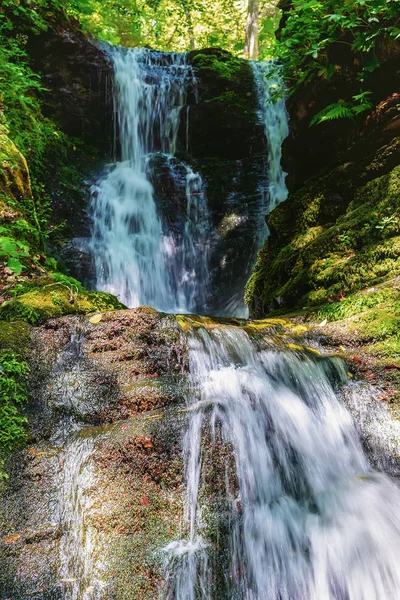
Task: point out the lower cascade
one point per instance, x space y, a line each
251 467
282 502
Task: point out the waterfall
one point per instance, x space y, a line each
136 257
301 514
272 112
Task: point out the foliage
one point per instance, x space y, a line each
343 109
13 250
175 25
313 27
14 371
328 38
54 159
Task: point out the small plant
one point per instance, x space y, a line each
12 251
387 223
14 372
343 109
344 240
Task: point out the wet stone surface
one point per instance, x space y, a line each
98 491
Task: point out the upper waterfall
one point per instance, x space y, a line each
154 239
136 257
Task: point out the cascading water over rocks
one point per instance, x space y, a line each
281 500
136 257
273 114
303 516
138 254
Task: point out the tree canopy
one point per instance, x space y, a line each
179 25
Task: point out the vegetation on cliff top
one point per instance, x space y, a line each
335 39
181 25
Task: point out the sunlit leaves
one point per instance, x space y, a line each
176 25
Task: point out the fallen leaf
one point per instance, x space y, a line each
144 501
357 360
12 538
324 322
392 366
95 320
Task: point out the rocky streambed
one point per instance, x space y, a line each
99 491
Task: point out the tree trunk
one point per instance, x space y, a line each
251 47
190 28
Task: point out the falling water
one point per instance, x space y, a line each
273 114
135 257
306 517
81 549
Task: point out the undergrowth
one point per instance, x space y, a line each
54 159
333 38
14 371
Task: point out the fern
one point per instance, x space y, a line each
344 110
338 110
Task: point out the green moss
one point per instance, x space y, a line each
318 262
224 78
54 296
15 337
14 372
220 64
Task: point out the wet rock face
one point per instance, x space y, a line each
309 150
222 138
98 490
168 178
79 75
223 121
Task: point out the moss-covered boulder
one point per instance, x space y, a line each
223 120
15 181
53 295
333 236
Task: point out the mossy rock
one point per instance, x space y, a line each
223 121
54 296
318 261
15 336
14 174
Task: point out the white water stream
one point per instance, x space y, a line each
308 519
136 258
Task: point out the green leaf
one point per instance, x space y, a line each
339 110
15 265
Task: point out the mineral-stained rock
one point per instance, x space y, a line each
97 493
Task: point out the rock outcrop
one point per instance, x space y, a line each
338 231
98 489
79 76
